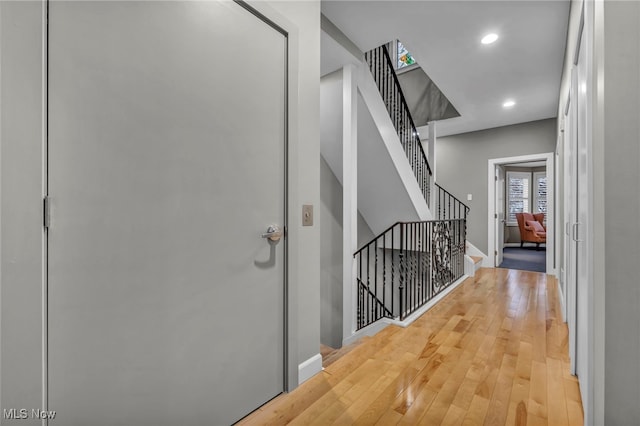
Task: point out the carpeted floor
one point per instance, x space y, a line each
525 259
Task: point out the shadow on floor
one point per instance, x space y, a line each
525 259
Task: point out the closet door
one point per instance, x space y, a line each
166 165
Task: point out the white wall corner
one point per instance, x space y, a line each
309 368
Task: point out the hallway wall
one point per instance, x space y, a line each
463 163
331 238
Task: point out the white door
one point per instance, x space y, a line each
581 226
166 164
570 193
499 216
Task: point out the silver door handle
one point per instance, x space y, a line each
574 232
274 233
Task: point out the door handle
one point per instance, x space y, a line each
574 232
274 233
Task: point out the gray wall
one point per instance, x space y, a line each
463 161
622 211
331 239
304 172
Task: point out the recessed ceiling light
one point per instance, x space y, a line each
489 38
509 103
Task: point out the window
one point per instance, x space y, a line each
526 193
404 58
540 193
518 199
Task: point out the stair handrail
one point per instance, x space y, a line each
403 101
411 143
444 194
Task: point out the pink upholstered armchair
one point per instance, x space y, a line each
531 228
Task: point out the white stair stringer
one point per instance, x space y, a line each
373 100
387 188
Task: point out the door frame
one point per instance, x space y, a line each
548 157
499 249
292 240
276 20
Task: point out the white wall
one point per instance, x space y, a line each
463 160
21 189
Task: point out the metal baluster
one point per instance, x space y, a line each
401 272
393 283
375 280
360 290
384 273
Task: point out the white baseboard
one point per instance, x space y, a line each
309 368
475 251
381 324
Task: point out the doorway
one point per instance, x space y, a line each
503 230
167 179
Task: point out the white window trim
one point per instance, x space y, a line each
524 175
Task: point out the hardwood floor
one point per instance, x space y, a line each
493 352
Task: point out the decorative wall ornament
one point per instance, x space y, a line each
442 255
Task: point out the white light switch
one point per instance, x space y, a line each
469 197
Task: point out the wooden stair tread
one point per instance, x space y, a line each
476 259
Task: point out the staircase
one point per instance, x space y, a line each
410 263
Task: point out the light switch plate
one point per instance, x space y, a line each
469 197
307 215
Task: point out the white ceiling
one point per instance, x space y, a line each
525 64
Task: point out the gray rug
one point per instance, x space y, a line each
525 259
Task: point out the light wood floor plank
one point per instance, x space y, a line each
493 352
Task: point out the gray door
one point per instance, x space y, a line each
166 164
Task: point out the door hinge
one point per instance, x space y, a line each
495 215
496 252
46 210
496 178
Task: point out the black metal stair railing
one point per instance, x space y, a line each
386 79
406 266
449 207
